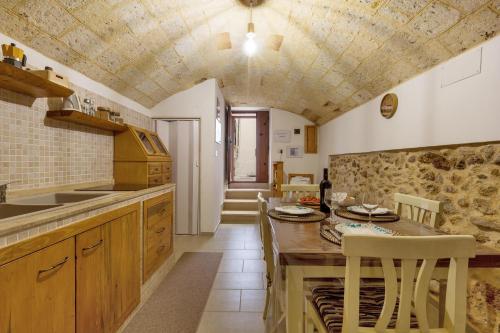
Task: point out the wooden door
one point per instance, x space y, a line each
262 147
123 265
38 291
231 141
92 305
310 139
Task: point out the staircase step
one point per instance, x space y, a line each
240 204
239 216
246 193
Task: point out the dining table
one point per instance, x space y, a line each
301 253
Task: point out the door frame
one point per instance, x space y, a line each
200 165
230 121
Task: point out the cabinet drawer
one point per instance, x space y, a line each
154 168
166 167
159 213
155 180
158 246
167 179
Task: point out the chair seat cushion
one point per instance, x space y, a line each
329 302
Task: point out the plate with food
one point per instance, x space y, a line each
309 201
362 229
294 210
363 211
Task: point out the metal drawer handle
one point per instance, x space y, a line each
159 231
56 266
160 249
92 246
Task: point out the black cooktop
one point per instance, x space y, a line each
115 187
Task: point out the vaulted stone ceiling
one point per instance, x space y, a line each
319 58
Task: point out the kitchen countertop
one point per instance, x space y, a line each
23 222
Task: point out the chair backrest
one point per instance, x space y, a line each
301 177
296 191
415 208
267 240
408 250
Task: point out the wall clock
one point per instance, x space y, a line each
389 105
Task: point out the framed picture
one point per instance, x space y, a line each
284 136
218 124
294 152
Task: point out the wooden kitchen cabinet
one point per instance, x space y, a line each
37 291
124 267
157 233
92 282
108 274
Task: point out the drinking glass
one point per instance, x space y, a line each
370 201
328 201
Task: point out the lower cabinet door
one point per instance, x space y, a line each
92 305
123 267
38 292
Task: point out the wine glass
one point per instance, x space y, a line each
328 201
370 201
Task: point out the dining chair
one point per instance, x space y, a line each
415 208
265 228
295 191
327 314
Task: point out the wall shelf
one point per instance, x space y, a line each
23 82
84 119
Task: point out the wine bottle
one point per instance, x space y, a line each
323 186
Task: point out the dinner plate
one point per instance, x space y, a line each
363 211
294 210
362 229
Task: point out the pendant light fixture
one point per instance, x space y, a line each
250 46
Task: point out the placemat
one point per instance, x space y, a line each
315 216
390 217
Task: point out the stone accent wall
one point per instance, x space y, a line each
466 179
36 152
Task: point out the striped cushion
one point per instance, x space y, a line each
329 302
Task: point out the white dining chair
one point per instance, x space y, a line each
326 313
416 208
296 191
265 228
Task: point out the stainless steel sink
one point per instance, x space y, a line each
58 198
10 210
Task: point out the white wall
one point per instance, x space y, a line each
284 120
200 102
428 115
38 60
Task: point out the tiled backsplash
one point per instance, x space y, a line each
36 152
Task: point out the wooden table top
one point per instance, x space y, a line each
302 244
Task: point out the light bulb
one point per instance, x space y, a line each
250 47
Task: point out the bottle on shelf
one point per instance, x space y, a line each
323 186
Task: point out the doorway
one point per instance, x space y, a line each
182 139
248 147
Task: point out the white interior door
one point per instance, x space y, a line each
182 139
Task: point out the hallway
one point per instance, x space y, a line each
237 297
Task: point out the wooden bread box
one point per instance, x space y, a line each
141 158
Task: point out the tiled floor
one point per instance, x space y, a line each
237 298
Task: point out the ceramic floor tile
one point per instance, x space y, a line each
231 322
238 281
224 300
253 300
231 266
257 266
224 245
242 254
253 245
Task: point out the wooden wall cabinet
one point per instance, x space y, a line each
37 291
141 158
311 139
108 274
157 233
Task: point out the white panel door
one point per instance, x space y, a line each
182 140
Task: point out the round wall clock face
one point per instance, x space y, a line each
389 105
